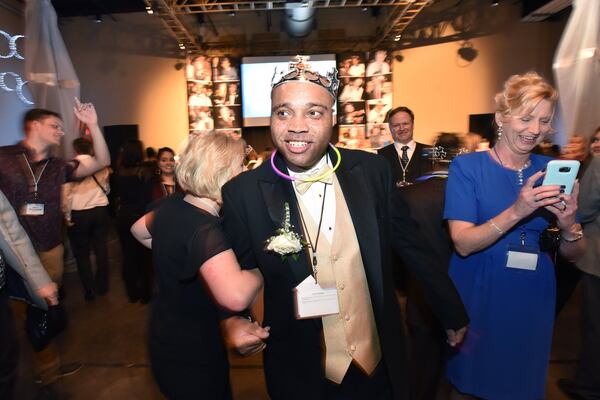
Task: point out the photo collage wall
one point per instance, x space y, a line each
214 101
364 99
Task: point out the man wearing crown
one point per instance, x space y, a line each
316 221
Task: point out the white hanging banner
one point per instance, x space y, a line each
52 79
577 69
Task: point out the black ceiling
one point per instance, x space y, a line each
74 8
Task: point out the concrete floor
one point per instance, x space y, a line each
108 336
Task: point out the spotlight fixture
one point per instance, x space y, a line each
495 3
397 37
365 9
182 46
232 14
467 52
98 18
149 10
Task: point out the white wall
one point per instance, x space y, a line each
443 89
126 68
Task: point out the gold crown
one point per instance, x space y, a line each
299 70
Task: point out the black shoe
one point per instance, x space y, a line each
570 388
89 295
69 369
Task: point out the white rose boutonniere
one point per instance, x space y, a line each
286 242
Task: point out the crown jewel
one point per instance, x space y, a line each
299 70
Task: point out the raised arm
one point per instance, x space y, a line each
86 113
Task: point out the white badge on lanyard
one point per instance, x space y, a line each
313 301
32 209
521 256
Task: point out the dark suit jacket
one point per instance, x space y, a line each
417 166
425 202
253 206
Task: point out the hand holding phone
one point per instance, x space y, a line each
562 173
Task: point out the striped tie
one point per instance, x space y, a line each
404 157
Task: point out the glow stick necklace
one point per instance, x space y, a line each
315 179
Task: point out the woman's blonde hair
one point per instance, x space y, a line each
522 93
207 163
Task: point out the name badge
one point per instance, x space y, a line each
313 301
522 257
32 209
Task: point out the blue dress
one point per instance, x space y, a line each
506 352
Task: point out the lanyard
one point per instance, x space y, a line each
305 228
35 180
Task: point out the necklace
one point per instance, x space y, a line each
305 228
519 170
315 179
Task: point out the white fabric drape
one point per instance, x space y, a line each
577 69
52 79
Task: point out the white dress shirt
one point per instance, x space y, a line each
312 200
411 149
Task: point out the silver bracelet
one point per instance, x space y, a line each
496 227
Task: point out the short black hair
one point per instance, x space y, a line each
400 109
150 152
165 150
82 146
38 114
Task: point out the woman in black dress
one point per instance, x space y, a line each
187 354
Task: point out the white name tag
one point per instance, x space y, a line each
522 260
32 209
313 301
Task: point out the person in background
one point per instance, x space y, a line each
187 355
86 209
496 214
425 202
130 180
164 182
32 178
595 143
577 149
586 383
17 252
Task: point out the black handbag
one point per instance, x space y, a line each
42 326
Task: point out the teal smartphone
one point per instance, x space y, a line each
562 173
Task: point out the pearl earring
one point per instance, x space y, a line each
500 132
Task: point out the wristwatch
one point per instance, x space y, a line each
577 235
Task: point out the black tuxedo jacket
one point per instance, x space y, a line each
417 166
425 202
253 208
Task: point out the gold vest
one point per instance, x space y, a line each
351 334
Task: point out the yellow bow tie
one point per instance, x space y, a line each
302 186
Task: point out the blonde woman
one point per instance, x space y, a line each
187 354
496 212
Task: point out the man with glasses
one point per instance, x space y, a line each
32 179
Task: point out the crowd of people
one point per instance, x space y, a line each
324 232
